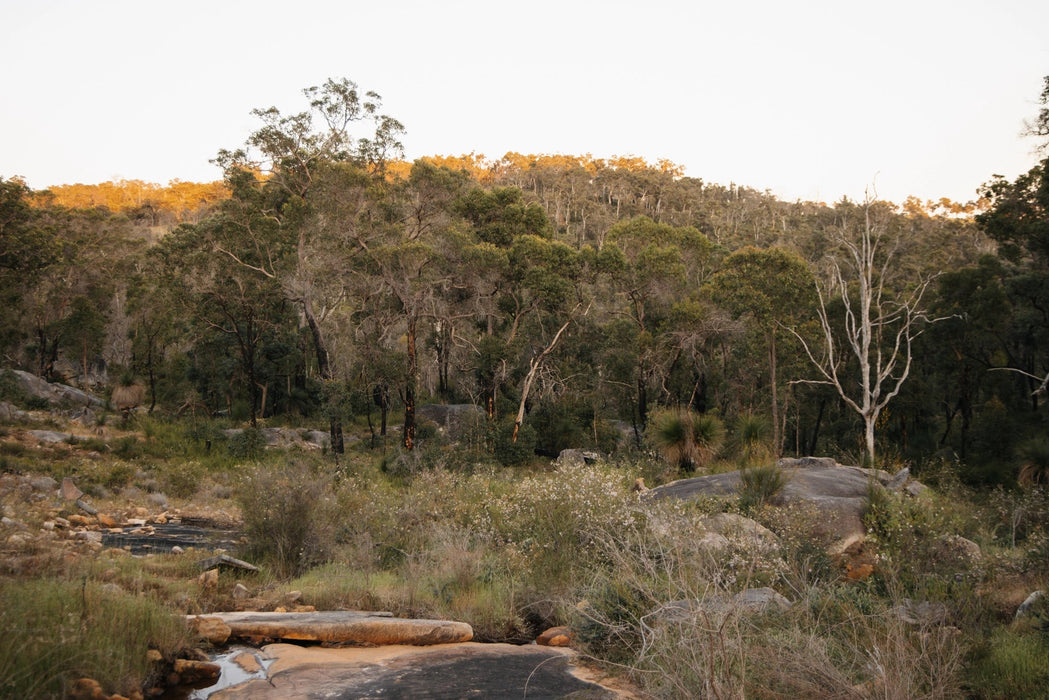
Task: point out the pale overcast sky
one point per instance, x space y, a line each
811 100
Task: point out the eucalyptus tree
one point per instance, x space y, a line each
27 249
279 213
869 356
400 261
772 290
228 306
657 267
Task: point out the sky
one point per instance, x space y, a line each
809 100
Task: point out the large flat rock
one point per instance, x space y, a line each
840 493
343 627
470 670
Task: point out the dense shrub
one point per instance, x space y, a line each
289 515
247 444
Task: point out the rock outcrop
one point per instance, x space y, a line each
55 394
343 627
840 493
468 670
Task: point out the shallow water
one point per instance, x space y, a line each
232 674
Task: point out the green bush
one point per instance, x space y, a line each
289 515
247 444
182 479
760 485
510 453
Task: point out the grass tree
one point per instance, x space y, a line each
687 438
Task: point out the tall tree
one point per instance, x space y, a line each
880 321
658 265
282 184
773 290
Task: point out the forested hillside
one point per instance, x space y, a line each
327 280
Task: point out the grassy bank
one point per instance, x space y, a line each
513 550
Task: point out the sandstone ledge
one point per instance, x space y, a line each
343 627
468 670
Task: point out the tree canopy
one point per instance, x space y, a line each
567 294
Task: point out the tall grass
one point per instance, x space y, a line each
55 631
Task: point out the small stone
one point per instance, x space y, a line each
106 520
915 489
303 608
1035 609
198 654
280 609
211 629
90 536
69 490
209 579
559 636
922 612
81 520
899 479
240 592
86 689
760 599
248 662
292 596
190 671
160 519
43 483
177 550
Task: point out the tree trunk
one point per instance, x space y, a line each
409 388
777 432
868 438
533 368
327 375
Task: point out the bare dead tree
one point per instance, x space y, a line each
880 326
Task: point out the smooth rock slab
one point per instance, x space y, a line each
840 493
344 627
469 670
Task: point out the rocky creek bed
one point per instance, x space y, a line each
358 654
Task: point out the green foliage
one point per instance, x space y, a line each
55 631
919 541
1012 663
552 518
687 439
182 479
1034 466
760 485
510 453
288 512
247 444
